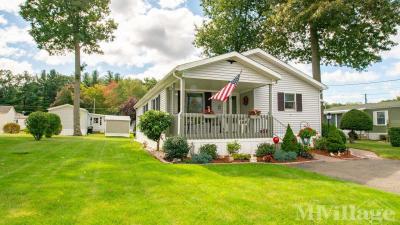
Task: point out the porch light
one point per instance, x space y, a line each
231 61
329 116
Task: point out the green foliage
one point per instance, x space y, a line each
37 123
321 143
342 135
54 125
11 128
237 156
176 148
305 154
210 149
289 142
335 142
265 149
153 123
394 136
201 158
307 132
356 120
233 147
149 83
283 156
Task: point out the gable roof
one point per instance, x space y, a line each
5 109
380 105
303 76
63 106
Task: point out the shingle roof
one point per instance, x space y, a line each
380 105
5 108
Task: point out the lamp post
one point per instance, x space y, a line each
329 117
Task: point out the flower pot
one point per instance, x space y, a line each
306 141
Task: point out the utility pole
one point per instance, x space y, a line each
94 105
365 98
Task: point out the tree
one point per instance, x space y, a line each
54 125
86 79
289 143
109 77
59 26
64 96
344 33
95 77
149 83
127 108
93 98
356 120
37 123
153 123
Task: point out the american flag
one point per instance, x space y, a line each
225 92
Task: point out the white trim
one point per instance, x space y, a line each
288 67
375 117
65 105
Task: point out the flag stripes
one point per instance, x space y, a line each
226 91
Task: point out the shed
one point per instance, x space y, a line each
7 115
117 126
66 114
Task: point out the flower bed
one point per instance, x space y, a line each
345 155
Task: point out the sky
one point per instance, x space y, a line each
153 36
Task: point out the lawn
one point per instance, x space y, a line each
381 148
97 180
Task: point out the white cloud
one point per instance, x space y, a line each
14 66
44 56
3 20
11 6
395 51
170 4
342 77
394 71
13 35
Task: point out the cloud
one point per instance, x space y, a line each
3 20
170 4
44 56
344 77
395 51
11 6
394 71
13 35
15 66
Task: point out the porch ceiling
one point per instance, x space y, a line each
216 85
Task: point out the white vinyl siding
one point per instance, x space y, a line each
311 112
225 71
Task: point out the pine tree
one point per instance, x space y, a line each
289 143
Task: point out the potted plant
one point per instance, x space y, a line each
233 148
305 135
208 113
254 114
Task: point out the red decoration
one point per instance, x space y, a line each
245 100
275 140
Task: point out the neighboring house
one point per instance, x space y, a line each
383 114
20 119
117 126
97 121
66 114
283 94
7 115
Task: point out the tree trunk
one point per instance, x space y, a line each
77 91
316 62
158 145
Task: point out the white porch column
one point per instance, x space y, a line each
270 121
182 107
172 106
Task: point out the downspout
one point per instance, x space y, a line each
180 112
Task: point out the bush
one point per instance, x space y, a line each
237 156
289 142
342 135
335 142
265 149
356 120
176 148
153 123
54 126
394 136
11 128
283 156
233 147
306 155
321 144
201 158
307 132
210 149
37 124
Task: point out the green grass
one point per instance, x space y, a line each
383 149
97 180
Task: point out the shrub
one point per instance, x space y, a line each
321 144
394 136
210 149
289 142
335 142
306 155
233 147
353 135
153 123
201 158
11 128
237 156
265 149
54 127
176 148
37 124
356 120
307 132
283 156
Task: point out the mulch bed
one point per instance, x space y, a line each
272 160
345 155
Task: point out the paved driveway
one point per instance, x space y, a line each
378 173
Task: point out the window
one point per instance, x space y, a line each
380 117
290 101
195 103
96 120
146 108
101 121
155 103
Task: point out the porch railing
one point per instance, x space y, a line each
223 126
